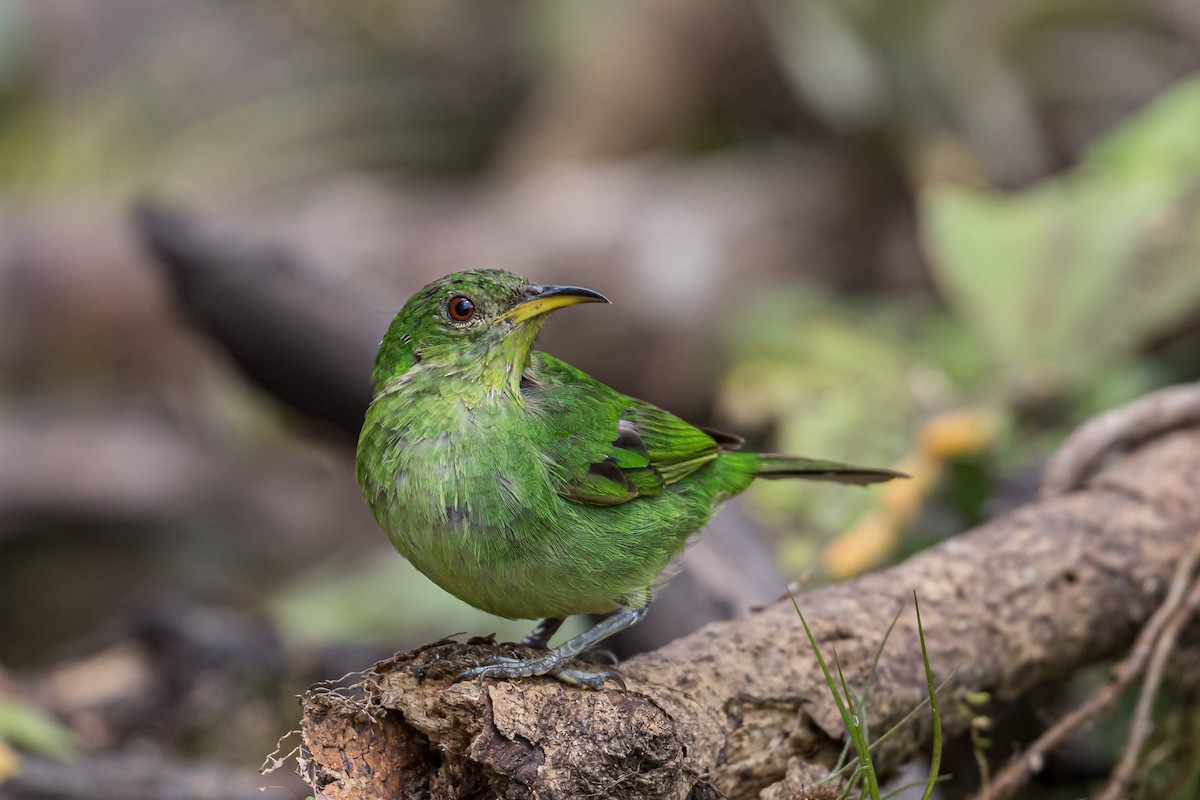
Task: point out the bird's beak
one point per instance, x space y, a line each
544 299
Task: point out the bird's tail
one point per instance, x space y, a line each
771 465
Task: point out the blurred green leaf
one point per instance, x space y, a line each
1065 279
25 725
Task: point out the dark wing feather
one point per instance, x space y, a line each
609 448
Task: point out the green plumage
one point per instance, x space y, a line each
522 485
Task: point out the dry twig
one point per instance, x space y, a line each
1162 626
1140 726
1120 429
1079 457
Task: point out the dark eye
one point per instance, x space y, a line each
461 307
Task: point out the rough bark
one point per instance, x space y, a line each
738 709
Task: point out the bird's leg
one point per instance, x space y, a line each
539 637
555 662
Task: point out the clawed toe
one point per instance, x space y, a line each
590 680
502 667
555 662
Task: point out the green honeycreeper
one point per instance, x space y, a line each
527 488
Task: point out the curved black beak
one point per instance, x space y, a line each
540 300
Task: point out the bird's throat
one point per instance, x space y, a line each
488 378
475 373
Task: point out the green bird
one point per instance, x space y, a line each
527 488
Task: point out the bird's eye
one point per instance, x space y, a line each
461 308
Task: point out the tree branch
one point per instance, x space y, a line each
738 708
1103 700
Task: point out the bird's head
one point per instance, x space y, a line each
482 320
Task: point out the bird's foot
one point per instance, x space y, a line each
555 662
551 664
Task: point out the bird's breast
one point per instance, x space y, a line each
468 499
432 470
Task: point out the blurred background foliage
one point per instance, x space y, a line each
931 234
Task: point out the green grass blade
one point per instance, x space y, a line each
935 755
906 717
862 697
848 719
854 728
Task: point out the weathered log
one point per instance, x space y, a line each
738 709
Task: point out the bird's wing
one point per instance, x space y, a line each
609 448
